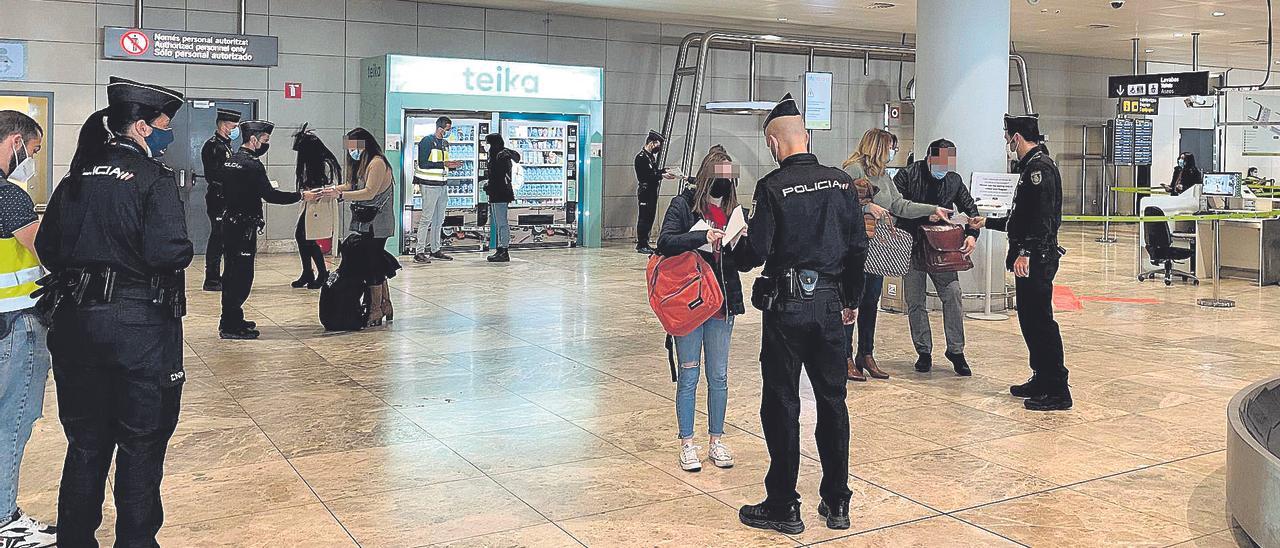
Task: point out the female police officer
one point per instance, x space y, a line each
115 240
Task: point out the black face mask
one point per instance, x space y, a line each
721 188
262 149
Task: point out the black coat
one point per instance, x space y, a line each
915 183
1183 179
1033 222
675 239
498 176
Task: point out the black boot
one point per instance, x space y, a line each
785 520
319 281
1055 400
499 256
306 279
1032 388
924 363
212 284
959 364
837 514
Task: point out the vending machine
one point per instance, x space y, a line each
465 139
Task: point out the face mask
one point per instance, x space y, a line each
159 140
22 170
262 149
354 153
938 174
892 152
234 135
721 188
1182 163
1011 151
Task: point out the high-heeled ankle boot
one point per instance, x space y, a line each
853 372
376 314
388 309
320 280
868 364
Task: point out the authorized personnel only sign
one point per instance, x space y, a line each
190 47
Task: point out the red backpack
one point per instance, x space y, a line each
684 293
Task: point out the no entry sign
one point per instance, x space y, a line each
135 42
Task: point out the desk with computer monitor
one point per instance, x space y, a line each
1250 247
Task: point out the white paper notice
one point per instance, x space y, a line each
699 226
737 225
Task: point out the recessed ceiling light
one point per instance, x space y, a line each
782 19
1178 35
1099 26
771 37
1044 10
880 5
1149 50
1219 13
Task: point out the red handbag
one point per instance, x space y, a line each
940 249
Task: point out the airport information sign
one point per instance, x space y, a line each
190 47
1168 84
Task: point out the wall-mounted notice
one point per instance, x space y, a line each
13 60
1263 137
817 100
190 47
994 187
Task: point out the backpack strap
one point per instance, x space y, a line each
671 356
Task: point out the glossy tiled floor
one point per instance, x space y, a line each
529 404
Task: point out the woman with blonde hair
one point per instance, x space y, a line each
868 165
711 200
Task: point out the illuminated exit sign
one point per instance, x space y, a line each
494 78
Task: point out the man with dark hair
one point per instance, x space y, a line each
649 177
1033 257
25 366
432 177
806 228
246 187
215 153
934 181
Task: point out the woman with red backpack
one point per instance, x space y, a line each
711 201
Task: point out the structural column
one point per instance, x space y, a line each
962 94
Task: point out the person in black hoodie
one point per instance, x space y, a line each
497 184
934 181
1185 176
712 200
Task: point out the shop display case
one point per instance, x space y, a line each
548 151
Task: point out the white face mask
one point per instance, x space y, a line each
892 152
1012 151
26 168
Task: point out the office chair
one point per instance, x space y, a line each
1161 250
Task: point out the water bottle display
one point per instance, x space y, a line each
544 150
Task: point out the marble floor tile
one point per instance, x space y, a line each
751 462
1221 539
379 469
690 521
951 424
1193 500
1148 437
547 535
608 398
437 513
1131 396
1010 407
640 430
1209 464
227 492
342 431
950 480
309 526
516 449
1055 457
476 416
219 448
1066 518
937 532
588 487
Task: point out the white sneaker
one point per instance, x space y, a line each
26 532
689 461
720 455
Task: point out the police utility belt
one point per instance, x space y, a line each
104 285
250 224
769 293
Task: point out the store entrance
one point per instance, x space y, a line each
193 126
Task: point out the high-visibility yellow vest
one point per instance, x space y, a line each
439 153
19 270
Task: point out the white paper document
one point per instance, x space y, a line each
733 232
698 227
958 219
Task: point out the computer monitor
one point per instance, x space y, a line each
1222 184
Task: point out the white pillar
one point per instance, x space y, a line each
962 94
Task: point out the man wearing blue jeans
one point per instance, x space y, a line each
25 366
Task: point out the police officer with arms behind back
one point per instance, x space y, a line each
114 238
1033 257
213 155
806 228
246 186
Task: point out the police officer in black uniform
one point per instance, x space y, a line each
806 228
1033 257
246 186
114 238
215 153
649 176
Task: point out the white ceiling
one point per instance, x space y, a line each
1051 26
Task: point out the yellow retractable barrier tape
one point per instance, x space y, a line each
1153 219
1138 190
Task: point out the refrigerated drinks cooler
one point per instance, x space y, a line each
553 115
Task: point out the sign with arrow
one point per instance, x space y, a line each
1169 84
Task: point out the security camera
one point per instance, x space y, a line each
1117 4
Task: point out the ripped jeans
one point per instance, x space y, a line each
709 340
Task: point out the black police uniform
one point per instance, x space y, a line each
246 186
806 226
213 155
1033 232
114 237
648 181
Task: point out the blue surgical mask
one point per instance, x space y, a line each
1182 163
159 140
354 153
234 135
938 174
892 152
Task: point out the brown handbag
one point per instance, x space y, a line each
865 191
939 249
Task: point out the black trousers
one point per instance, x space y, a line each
648 206
214 249
237 279
809 334
868 309
118 373
1035 316
308 250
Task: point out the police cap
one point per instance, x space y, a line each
122 90
785 107
1027 125
250 127
655 136
228 115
